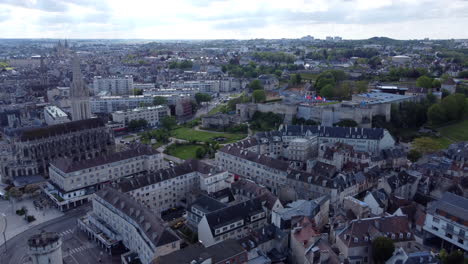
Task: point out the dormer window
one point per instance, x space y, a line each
393 236
408 235
356 240
401 236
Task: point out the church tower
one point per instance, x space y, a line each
79 94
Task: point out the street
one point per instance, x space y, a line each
76 247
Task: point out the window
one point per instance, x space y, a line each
435 228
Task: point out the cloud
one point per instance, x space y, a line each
233 18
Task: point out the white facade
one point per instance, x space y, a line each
109 104
446 219
215 182
152 114
115 85
54 115
73 182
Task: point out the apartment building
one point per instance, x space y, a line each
152 114
232 222
361 139
72 182
117 218
261 168
114 85
447 219
109 104
167 188
355 240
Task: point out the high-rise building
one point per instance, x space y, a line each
79 94
114 85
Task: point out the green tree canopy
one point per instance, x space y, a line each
137 92
159 100
424 82
169 122
202 97
346 123
382 249
327 91
256 85
436 114
259 96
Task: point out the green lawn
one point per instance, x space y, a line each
309 76
204 136
183 151
216 109
444 142
456 132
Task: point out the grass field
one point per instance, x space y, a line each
183 151
217 109
455 132
444 142
309 76
204 136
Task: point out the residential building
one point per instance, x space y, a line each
316 210
447 219
355 240
228 251
400 256
152 114
110 104
167 188
362 139
231 222
54 115
115 85
73 182
203 205
377 201
117 218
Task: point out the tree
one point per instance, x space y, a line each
456 257
159 100
200 152
436 114
414 155
169 122
426 145
202 97
424 82
137 92
463 74
361 86
256 85
382 249
454 106
296 79
137 124
436 84
327 91
30 188
15 193
259 96
346 123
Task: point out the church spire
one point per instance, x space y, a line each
79 93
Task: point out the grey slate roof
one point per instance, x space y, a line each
452 204
219 252
252 156
206 204
234 213
60 129
69 165
148 222
188 166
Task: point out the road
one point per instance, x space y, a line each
76 248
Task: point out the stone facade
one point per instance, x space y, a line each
33 149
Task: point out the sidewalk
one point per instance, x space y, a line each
16 224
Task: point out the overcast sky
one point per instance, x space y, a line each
227 19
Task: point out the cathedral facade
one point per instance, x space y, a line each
31 150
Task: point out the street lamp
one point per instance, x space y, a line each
4 230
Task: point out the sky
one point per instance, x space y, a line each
233 19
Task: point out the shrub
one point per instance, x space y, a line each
30 218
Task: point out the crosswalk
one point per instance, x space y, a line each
77 250
66 232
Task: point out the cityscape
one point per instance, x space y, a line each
224 132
